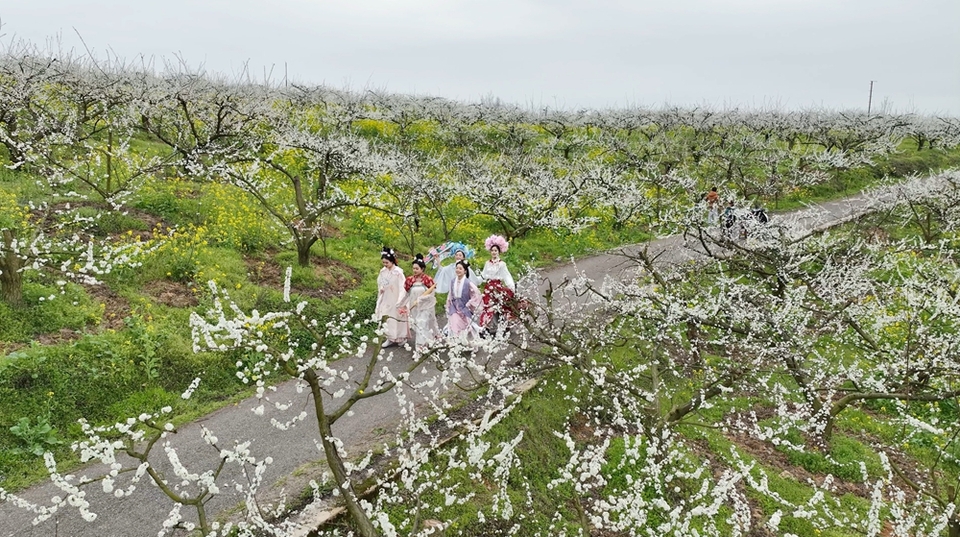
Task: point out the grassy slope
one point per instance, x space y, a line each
106 354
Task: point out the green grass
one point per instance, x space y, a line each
43 316
905 162
103 378
908 161
144 363
842 460
783 483
541 455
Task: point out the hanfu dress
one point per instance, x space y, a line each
446 274
390 288
463 299
498 293
422 307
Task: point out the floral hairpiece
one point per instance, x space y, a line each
498 241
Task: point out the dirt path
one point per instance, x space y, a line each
294 451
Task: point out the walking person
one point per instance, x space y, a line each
389 293
759 213
499 287
713 207
420 304
729 218
463 299
759 220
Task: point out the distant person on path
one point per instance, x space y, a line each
759 213
463 299
759 216
713 206
389 293
729 218
498 291
420 303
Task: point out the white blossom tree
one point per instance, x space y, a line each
68 124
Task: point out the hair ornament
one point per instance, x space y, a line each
437 254
498 241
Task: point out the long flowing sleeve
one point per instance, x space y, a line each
391 295
475 297
507 277
445 277
397 285
449 305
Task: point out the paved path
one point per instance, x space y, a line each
373 421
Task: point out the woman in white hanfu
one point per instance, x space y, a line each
420 304
390 292
446 274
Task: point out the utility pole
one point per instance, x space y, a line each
870 99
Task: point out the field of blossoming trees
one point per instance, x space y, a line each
167 230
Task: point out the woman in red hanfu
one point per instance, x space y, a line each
498 291
420 304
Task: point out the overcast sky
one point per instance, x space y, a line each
560 53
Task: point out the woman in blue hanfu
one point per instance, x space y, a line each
446 274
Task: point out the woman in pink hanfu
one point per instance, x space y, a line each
390 292
463 299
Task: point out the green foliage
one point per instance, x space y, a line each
111 222
186 256
617 472
8 176
148 341
236 221
107 373
36 438
842 460
909 162
48 309
783 482
106 378
149 400
174 200
371 128
541 454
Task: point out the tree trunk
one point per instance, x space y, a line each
335 462
11 279
827 437
303 255
109 162
303 250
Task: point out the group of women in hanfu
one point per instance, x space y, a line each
408 304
